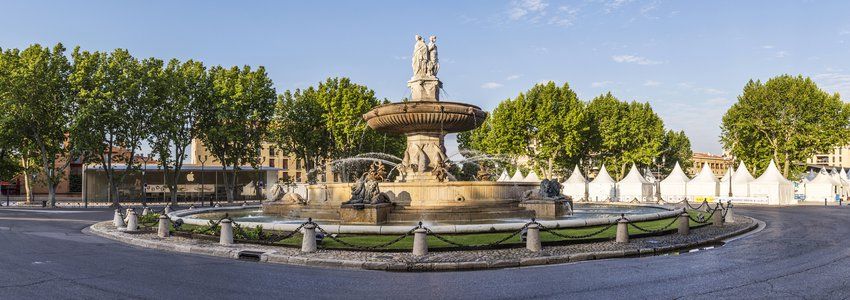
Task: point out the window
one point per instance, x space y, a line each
298 164
284 164
271 162
271 151
297 176
285 177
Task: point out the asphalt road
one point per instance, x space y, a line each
803 252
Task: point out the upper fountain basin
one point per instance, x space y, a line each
425 116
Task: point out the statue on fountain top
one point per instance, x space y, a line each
425 85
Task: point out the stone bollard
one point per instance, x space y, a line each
420 242
308 241
217 205
167 209
684 223
623 230
717 218
226 236
117 220
162 230
127 214
191 207
132 221
146 211
532 238
729 217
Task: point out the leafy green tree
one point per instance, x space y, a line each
235 122
183 89
115 92
38 109
298 127
676 147
344 104
624 133
787 119
547 125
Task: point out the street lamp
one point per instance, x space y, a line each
259 165
145 160
203 160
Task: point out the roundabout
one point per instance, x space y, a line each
800 251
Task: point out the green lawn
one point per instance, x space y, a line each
481 238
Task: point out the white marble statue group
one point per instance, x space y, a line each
425 61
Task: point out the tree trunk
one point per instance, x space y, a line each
27 187
51 187
550 167
786 167
230 185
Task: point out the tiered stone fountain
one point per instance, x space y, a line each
423 191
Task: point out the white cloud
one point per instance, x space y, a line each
491 85
613 5
702 90
651 83
521 8
634 60
834 82
600 83
781 54
767 47
718 101
844 32
513 77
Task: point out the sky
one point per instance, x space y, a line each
688 59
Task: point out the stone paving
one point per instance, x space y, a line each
441 260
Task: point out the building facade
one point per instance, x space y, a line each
718 163
838 157
291 168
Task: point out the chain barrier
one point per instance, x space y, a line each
384 245
456 244
673 221
584 236
263 236
706 220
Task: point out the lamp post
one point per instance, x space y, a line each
258 167
203 160
145 160
730 177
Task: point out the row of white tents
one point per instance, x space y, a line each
825 186
769 188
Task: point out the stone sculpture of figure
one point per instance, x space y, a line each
420 58
421 159
366 191
433 60
440 172
358 191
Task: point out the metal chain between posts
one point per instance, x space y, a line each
387 244
567 236
688 204
456 244
707 220
264 237
673 221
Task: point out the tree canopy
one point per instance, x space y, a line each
787 119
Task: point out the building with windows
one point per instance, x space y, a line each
838 157
290 168
718 163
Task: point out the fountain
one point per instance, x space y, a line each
423 190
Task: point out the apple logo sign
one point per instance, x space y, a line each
190 177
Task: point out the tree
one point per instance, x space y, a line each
183 91
115 93
39 111
344 104
624 133
234 124
676 147
787 119
547 125
298 127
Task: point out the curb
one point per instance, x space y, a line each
233 251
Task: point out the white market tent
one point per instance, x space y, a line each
675 186
704 184
504 177
517 177
634 186
822 187
741 181
773 186
603 187
575 186
724 182
532 177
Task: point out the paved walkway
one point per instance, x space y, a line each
803 252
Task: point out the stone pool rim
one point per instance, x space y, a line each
186 216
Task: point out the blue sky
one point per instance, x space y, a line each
689 59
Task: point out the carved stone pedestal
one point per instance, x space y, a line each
371 214
547 208
425 89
